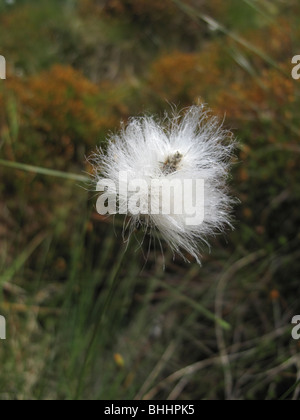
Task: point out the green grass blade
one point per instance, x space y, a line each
44 171
196 305
288 393
8 275
259 10
212 23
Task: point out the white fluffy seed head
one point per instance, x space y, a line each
189 146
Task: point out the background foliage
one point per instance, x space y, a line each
85 322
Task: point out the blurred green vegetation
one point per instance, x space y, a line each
87 320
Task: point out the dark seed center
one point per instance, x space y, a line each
172 163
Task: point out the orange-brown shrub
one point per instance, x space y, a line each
275 40
63 101
61 114
268 96
185 77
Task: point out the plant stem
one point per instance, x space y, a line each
44 171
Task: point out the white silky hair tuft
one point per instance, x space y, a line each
189 145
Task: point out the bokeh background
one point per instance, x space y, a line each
85 320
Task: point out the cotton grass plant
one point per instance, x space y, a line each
191 145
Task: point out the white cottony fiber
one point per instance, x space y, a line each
192 145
